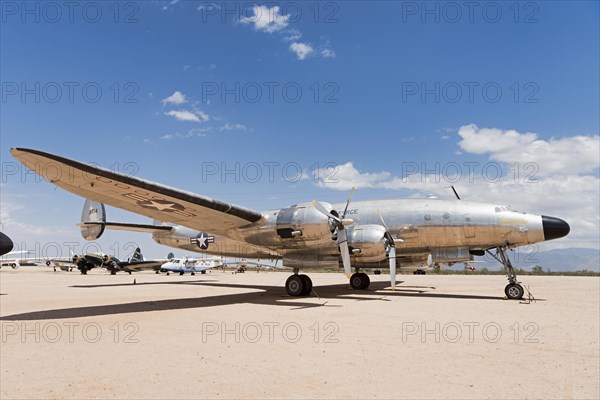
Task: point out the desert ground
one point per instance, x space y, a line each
222 335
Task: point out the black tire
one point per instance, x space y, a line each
307 284
192 273
294 286
359 281
181 273
366 281
514 291
113 272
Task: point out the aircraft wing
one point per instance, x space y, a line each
142 265
138 195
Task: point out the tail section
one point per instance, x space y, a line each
95 213
137 255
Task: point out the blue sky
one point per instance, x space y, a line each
385 86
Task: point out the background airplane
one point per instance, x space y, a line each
366 235
190 265
88 261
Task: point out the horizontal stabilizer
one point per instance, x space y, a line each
120 226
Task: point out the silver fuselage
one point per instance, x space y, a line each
445 229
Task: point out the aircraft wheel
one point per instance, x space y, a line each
366 281
307 284
192 273
294 285
181 273
514 291
168 273
359 281
113 272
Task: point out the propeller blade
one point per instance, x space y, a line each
323 210
382 221
345 252
392 257
348 202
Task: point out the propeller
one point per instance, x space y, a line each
391 251
342 238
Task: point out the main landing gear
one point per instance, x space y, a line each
359 280
298 285
301 285
513 291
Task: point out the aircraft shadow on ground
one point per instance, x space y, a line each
262 295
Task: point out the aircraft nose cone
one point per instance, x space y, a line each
554 228
6 244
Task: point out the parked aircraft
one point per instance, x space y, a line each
18 258
89 261
190 265
363 234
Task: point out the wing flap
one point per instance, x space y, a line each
138 195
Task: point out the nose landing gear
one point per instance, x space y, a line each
514 290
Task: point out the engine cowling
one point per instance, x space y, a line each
368 243
303 220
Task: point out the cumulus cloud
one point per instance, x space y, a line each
185 115
302 50
568 155
175 98
266 19
346 176
327 53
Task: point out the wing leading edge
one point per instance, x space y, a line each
138 195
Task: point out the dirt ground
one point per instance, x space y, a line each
222 335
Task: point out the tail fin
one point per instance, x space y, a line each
93 211
137 255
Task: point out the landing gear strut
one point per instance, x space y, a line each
298 285
513 291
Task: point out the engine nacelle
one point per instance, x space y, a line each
303 221
15 265
368 243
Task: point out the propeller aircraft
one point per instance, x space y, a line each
358 235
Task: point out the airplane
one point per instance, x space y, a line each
18 258
89 261
6 245
190 265
317 234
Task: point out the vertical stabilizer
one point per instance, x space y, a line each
93 211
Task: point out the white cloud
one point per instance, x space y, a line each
568 155
302 50
175 98
346 176
267 19
233 127
327 53
185 115
292 35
